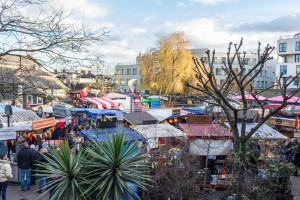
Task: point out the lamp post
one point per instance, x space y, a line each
51 85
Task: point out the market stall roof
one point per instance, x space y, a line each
20 116
116 96
160 113
101 102
140 118
14 108
24 127
263 132
100 134
280 99
250 97
211 131
94 111
158 130
198 110
158 97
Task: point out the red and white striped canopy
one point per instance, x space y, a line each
102 103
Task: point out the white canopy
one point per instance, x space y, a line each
160 113
158 130
263 132
116 96
203 147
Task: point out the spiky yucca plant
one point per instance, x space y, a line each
111 164
68 169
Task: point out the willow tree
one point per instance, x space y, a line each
166 67
207 83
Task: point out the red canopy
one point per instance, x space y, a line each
206 131
60 122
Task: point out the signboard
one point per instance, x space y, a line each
59 111
8 135
297 134
40 111
176 112
278 121
8 110
68 118
137 104
44 123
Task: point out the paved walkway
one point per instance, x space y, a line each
14 193
296 186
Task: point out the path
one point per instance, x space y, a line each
296 186
14 193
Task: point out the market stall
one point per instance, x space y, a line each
100 102
157 134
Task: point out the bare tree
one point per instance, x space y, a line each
48 36
208 85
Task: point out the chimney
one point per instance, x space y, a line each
83 72
64 70
76 71
90 71
55 71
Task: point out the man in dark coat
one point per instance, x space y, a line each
25 163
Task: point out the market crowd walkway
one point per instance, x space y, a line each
296 186
14 193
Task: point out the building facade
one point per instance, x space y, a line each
265 79
124 72
288 58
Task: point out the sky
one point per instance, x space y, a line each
135 26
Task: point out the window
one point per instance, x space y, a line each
34 100
218 71
265 73
247 61
283 69
297 58
253 61
298 46
285 59
266 84
297 69
122 81
40 100
257 84
261 73
122 71
296 82
134 71
284 80
214 60
282 47
116 81
223 59
262 84
221 82
128 71
249 71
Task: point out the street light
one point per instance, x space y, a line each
51 85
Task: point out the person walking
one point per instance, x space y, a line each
33 169
5 175
25 162
42 160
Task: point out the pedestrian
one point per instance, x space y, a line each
34 167
43 144
25 162
43 161
5 175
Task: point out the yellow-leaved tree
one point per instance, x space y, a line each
166 67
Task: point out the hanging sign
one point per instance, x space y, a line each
44 123
59 110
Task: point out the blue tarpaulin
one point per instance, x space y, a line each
94 111
100 134
195 110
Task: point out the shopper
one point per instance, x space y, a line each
42 161
5 175
34 167
43 144
25 162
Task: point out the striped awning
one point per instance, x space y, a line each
101 102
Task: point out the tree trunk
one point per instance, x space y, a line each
239 167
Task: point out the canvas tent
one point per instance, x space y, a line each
140 118
155 131
94 111
160 113
264 131
208 139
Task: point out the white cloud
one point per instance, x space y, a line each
135 32
180 4
211 2
210 33
147 19
158 2
84 7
